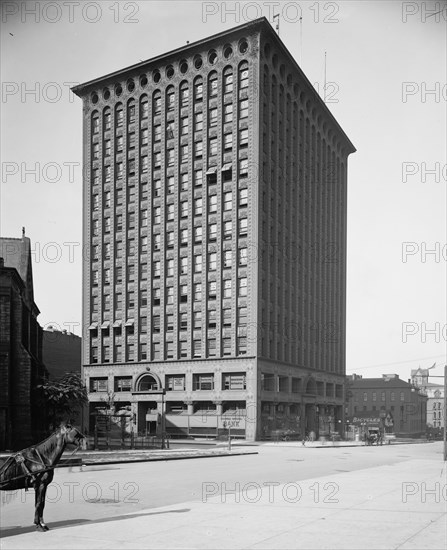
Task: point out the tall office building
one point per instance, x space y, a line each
215 211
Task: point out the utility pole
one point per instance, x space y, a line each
445 413
445 410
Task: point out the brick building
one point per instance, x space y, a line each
21 367
399 406
215 210
61 352
435 397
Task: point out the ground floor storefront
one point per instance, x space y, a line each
236 398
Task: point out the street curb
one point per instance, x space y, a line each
151 459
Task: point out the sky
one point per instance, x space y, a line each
386 86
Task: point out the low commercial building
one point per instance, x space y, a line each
397 406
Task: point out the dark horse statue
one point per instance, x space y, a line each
34 467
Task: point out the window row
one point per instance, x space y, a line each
173 382
198 350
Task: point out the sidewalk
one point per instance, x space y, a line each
400 506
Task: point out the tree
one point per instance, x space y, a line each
64 398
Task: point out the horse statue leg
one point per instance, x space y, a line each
40 489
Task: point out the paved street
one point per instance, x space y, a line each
287 496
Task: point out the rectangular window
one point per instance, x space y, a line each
184 153
156 296
212 86
184 180
184 126
227 288
170 211
203 382
170 185
234 381
175 382
170 127
170 100
198 234
197 348
197 320
228 201
156 350
212 204
198 293
156 190
169 322
184 209
198 263
212 146
198 122
170 268
212 261
243 108
242 345
243 227
144 137
95 151
243 138
228 83
198 206
226 346
212 290
212 121
227 258
183 294
243 168
183 320
184 96
228 113
198 149
170 239
211 347
198 178
198 91
183 266
243 256
123 383
227 229
228 142
243 286
212 232
169 295
157 133
99 384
